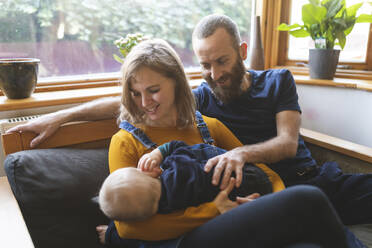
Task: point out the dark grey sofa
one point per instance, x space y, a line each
54 188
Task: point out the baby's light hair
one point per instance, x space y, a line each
128 194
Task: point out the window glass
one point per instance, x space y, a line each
74 37
355 49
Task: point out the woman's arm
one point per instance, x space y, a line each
125 151
168 226
178 223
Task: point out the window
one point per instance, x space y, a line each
75 37
357 41
287 51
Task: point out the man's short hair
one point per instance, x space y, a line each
209 24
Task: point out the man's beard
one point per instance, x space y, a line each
228 93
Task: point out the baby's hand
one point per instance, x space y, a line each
150 161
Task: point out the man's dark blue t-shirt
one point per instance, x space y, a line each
251 117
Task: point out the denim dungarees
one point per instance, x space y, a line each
112 236
142 137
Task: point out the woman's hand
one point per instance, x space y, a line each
224 204
150 162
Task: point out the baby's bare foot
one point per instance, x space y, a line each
101 231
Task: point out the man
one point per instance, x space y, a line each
261 109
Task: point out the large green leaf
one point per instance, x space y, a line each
117 58
326 2
329 35
315 31
364 18
341 22
341 38
348 30
334 7
299 33
285 27
314 2
341 12
313 14
352 10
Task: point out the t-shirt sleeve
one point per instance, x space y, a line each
164 149
287 98
168 148
198 94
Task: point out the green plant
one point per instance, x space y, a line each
126 44
327 21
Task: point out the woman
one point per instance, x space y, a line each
157 99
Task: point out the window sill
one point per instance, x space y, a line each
53 84
43 98
71 96
359 84
360 80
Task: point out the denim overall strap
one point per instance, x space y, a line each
203 129
138 134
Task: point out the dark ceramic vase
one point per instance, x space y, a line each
256 60
18 77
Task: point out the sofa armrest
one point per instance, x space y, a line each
53 187
13 229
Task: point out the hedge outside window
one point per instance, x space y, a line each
75 37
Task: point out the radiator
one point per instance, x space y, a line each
6 124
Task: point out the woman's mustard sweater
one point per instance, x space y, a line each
125 150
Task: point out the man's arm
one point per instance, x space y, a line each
45 126
283 146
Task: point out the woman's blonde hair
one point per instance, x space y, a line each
159 56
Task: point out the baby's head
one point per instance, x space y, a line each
128 194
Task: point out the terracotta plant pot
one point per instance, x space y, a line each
18 77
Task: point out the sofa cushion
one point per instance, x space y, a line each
54 188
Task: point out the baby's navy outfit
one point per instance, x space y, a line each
185 183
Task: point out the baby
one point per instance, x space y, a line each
174 178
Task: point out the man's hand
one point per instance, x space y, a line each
224 204
43 126
150 162
227 163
